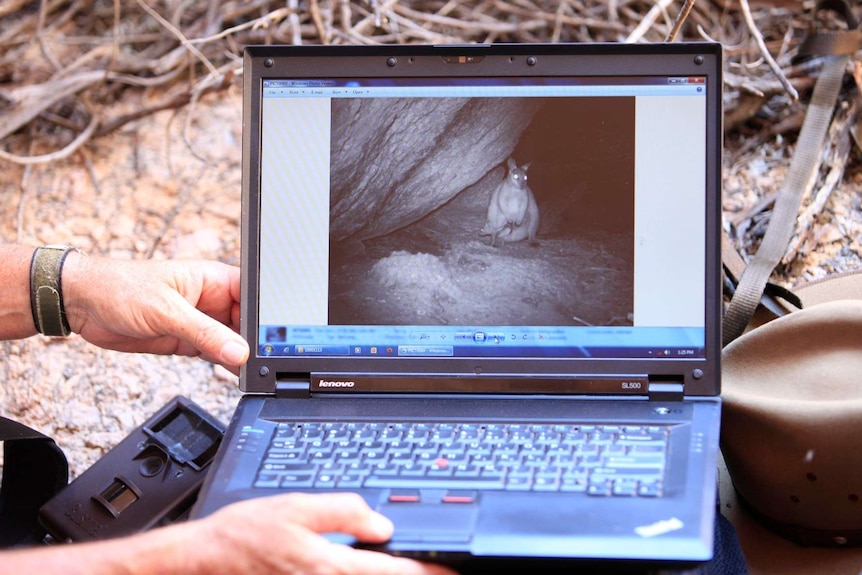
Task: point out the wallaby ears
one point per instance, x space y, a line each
514 166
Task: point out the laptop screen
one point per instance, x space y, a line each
514 218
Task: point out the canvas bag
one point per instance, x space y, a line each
34 470
792 415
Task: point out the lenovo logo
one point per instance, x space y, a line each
324 383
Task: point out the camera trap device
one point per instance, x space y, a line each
151 478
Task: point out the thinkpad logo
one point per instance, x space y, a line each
324 383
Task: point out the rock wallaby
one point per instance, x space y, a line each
513 214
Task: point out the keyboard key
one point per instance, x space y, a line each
573 484
466 470
546 483
280 455
386 469
338 435
636 472
350 481
266 480
325 480
625 488
650 489
601 488
361 435
636 460
293 480
460 496
404 496
655 448
308 434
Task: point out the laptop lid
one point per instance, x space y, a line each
378 255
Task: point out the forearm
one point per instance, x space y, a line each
164 551
16 318
16 314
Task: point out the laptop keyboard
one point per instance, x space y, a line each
599 460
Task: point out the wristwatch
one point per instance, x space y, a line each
46 290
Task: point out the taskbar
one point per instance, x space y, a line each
437 350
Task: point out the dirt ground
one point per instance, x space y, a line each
141 192
408 279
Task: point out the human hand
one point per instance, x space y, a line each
279 535
165 307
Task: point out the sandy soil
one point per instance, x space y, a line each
141 192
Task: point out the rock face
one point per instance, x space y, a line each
397 160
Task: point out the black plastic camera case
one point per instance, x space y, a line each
151 478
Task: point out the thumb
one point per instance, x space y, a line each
211 339
334 513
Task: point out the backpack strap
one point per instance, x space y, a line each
837 46
34 470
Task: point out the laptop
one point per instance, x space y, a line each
481 287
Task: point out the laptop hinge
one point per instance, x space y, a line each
665 391
296 389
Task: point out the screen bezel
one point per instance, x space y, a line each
702 59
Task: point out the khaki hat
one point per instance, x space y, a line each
792 420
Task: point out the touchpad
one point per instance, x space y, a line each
431 522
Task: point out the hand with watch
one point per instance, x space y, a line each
165 307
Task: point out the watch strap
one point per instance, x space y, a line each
46 290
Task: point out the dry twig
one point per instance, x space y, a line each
773 65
